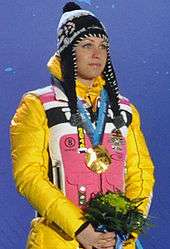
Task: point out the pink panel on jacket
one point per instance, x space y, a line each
79 176
48 97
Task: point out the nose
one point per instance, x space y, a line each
96 53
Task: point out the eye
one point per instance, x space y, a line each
104 46
87 45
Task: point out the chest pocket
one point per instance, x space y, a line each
79 187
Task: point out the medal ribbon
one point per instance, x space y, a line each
120 240
95 134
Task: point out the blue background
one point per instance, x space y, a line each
140 48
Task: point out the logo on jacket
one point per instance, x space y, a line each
70 142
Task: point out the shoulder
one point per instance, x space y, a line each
40 92
35 97
125 104
30 108
135 116
125 109
124 99
131 109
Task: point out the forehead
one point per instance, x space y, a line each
93 40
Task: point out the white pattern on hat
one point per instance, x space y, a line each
70 15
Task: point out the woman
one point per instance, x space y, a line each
59 133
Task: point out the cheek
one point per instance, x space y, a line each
104 57
82 57
82 60
104 61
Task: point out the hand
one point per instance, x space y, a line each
88 238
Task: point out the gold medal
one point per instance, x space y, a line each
98 159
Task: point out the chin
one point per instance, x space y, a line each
95 74
90 74
92 77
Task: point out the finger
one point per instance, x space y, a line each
105 244
88 247
110 247
106 241
101 247
108 235
105 238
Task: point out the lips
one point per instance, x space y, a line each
95 64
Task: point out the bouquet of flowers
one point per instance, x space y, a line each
113 211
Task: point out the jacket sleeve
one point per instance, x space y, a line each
140 169
29 143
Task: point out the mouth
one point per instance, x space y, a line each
95 64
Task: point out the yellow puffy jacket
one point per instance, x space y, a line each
60 217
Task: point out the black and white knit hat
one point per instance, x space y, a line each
75 25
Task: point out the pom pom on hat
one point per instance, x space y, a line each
70 6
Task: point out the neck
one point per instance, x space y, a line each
87 82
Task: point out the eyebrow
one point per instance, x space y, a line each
89 39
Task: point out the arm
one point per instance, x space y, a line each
29 140
139 176
140 170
